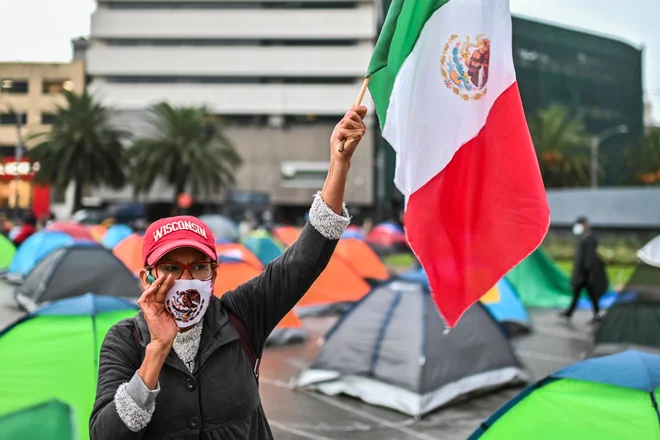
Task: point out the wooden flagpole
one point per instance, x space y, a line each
358 102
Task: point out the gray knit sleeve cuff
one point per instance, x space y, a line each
135 403
326 221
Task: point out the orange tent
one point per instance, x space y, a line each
287 234
97 232
232 274
129 251
236 251
337 285
362 259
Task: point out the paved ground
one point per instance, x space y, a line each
296 414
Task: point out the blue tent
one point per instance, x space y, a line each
506 307
352 233
116 234
34 249
503 304
608 397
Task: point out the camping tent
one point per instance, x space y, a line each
53 354
34 249
116 234
501 301
7 252
76 230
387 237
286 234
633 321
237 251
353 231
52 420
390 350
612 397
362 259
233 272
98 232
539 282
129 252
263 245
504 304
74 270
224 230
334 290
650 253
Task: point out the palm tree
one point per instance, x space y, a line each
562 146
82 147
187 150
643 163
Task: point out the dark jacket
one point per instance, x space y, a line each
220 399
588 268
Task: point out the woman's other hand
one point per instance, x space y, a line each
162 326
348 132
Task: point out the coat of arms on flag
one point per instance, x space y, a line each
464 66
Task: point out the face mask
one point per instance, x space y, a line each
578 229
188 300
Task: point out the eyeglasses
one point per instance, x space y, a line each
200 270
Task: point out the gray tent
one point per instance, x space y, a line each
75 270
390 350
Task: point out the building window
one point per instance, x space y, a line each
10 118
56 85
48 118
14 86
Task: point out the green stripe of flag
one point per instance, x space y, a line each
403 24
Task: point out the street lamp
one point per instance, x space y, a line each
595 146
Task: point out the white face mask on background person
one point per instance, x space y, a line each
578 229
188 300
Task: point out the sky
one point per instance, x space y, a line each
41 30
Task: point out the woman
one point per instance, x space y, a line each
178 369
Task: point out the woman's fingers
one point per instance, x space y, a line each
148 294
165 286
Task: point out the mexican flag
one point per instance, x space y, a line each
443 82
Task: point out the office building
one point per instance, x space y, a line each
280 73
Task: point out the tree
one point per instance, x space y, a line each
82 147
643 162
562 146
187 149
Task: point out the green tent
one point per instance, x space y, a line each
7 252
540 283
53 354
51 420
612 397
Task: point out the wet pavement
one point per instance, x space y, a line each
298 414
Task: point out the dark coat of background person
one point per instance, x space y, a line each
588 269
220 398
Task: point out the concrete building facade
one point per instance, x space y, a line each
29 95
279 73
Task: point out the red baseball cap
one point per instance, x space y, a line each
172 233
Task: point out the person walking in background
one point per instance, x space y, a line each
28 227
588 269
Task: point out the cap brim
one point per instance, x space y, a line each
170 246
